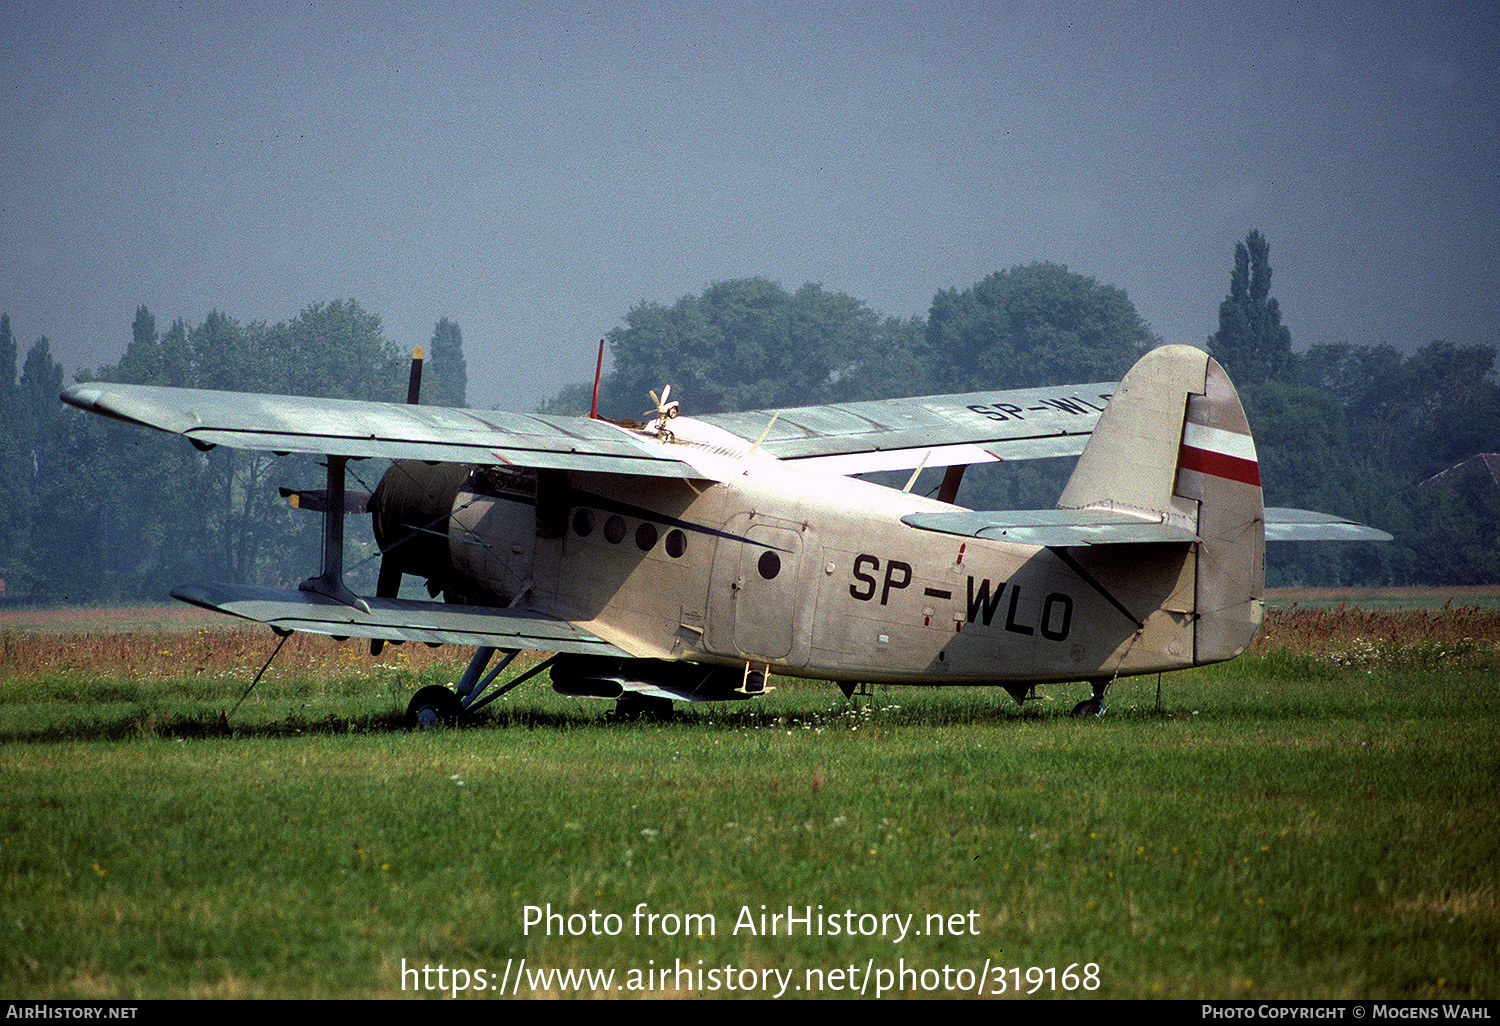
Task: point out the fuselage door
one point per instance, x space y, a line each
760 608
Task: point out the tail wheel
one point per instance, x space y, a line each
1089 708
1092 708
433 706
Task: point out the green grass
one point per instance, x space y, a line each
1282 827
1392 599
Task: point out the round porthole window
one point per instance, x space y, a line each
583 522
769 565
645 536
614 529
676 543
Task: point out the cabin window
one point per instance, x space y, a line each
614 529
769 565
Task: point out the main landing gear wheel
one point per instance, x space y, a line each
433 706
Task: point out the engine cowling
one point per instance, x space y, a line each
409 512
469 531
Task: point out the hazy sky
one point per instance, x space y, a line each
533 171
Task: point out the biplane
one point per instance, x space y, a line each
692 559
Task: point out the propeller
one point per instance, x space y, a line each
315 500
388 581
666 409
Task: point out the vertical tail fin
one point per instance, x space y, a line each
1174 445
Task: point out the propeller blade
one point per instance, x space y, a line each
414 378
388 583
662 406
316 499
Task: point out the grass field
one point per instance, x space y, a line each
1316 819
1476 596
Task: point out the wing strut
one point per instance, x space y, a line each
330 583
952 478
470 688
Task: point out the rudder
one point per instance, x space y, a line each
1174 446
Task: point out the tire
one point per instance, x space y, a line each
433 706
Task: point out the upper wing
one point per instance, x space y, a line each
343 427
845 438
934 430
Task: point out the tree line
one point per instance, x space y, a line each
92 511
1348 429
1364 431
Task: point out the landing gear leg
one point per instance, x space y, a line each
1092 707
436 705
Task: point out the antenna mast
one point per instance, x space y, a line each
598 369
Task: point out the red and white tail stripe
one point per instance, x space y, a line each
1226 454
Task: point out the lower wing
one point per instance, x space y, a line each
398 619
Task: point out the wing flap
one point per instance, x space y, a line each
1026 423
398 619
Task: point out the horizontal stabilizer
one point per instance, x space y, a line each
1054 528
1306 525
397 619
